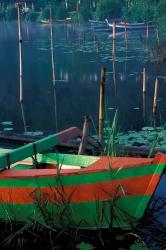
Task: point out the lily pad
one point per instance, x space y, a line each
159 128
7 123
148 129
7 129
33 133
136 108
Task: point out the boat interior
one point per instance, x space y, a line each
35 159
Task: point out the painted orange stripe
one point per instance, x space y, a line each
83 193
115 163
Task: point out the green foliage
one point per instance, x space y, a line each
11 12
108 9
60 12
84 246
44 15
139 12
131 10
32 16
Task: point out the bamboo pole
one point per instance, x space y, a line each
113 48
85 134
101 103
155 97
53 71
77 10
144 93
125 33
144 81
18 5
114 30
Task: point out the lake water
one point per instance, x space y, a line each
79 56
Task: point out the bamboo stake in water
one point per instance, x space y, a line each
114 30
144 81
77 10
85 134
18 5
125 33
101 103
53 71
155 97
113 48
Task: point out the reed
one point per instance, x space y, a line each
111 143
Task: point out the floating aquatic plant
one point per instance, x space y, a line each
33 133
147 137
7 129
7 123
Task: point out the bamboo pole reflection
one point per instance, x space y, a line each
144 94
95 41
114 65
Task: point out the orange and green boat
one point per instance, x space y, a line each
73 190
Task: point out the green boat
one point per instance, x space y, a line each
75 191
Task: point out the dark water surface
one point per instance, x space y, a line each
78 58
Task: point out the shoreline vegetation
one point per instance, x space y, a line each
128 10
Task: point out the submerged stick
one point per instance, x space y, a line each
155 97
101 103
18 5
53 72
85 134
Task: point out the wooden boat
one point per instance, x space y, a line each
45 21
129 26
96 24
73 190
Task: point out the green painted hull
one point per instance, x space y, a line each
76 191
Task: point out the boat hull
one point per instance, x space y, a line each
104 192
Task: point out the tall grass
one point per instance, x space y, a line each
111 135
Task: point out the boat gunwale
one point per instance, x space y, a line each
101 165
